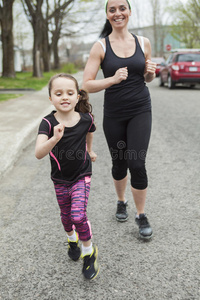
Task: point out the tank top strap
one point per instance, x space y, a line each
137 43
103 46
107 42
136 39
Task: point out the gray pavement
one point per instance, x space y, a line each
19 119
33 258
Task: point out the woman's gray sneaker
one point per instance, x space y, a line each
145 231
121 214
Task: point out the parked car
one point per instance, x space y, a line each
158 61
182 66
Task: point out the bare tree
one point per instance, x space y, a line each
61 20
47 20
41 15
6 20
61 9
34 14
155 4
45 39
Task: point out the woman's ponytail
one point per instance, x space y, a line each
107 29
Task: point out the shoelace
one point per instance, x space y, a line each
121 208
143 221
87 259
70 244
73 245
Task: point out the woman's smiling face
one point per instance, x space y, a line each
118 12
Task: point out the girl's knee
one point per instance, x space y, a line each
78 220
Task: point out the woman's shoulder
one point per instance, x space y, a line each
140 38
99 46
143 39
144 43
97 51
102 42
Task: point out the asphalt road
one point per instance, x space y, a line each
34 260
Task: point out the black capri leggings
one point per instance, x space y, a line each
128 141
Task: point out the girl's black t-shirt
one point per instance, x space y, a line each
70 160
130 96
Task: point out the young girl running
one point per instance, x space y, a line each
66 135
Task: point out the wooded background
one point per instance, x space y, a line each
52 19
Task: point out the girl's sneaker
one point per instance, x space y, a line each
90 265
74 250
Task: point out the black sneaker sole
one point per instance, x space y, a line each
93 278
147 237
95 275
121 220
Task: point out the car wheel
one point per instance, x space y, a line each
192 86
161 83
171 83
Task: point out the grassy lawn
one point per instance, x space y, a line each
4 97
24 80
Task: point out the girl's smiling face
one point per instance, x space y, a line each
118 12
64 94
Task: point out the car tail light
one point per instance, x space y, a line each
175 67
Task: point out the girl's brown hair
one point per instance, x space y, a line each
83 104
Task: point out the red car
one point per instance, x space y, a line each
158 61
182 66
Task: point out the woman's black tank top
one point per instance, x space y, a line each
131 96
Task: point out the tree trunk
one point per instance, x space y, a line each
33 10
37 53
7 39
56 59
45 48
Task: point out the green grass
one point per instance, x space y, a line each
25 80
4 97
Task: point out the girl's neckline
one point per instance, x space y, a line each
134 38
80 116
